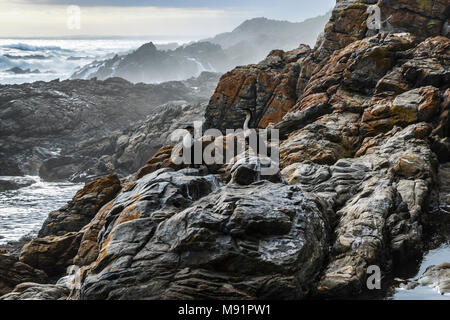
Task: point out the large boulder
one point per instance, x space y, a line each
53 254
270 88
82 208
36 291
14 183
437 277
60 236
80 129
264 240
14 272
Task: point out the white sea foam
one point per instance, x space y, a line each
57 59
24 210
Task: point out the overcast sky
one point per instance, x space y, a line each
171 19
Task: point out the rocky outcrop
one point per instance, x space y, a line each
61 234
53 254
268 87
148 64
364 130
364 133
14 272
354 20
35 291
437 277
183 253
248 43
350 22
82 208
13 183
82 129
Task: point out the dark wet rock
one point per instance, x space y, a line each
35 291
82 208
79 129
265 247
364 121
14 272
53 254
156 196
9 183
17 70
60 236
437 277
249 170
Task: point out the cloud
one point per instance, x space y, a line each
298 4
184 18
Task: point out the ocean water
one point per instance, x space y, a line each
432 258
23 211
57 59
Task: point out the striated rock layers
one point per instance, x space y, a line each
14 272
364 129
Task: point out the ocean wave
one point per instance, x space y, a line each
6 63
27 57
27 47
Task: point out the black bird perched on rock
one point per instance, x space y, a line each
250 129
188 146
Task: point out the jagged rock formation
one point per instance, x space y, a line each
255 38
248 43
14 183
364 123
149 65
35 291
269 87
14 272
81 129
437 277
60 236
85 205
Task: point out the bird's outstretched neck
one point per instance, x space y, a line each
247 121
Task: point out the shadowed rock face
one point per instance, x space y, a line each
84 206
348 24
364 127
238 242
61 234
35 291
80 129
359 132
13 272
268 87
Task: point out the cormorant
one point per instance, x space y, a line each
188 146
251 129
